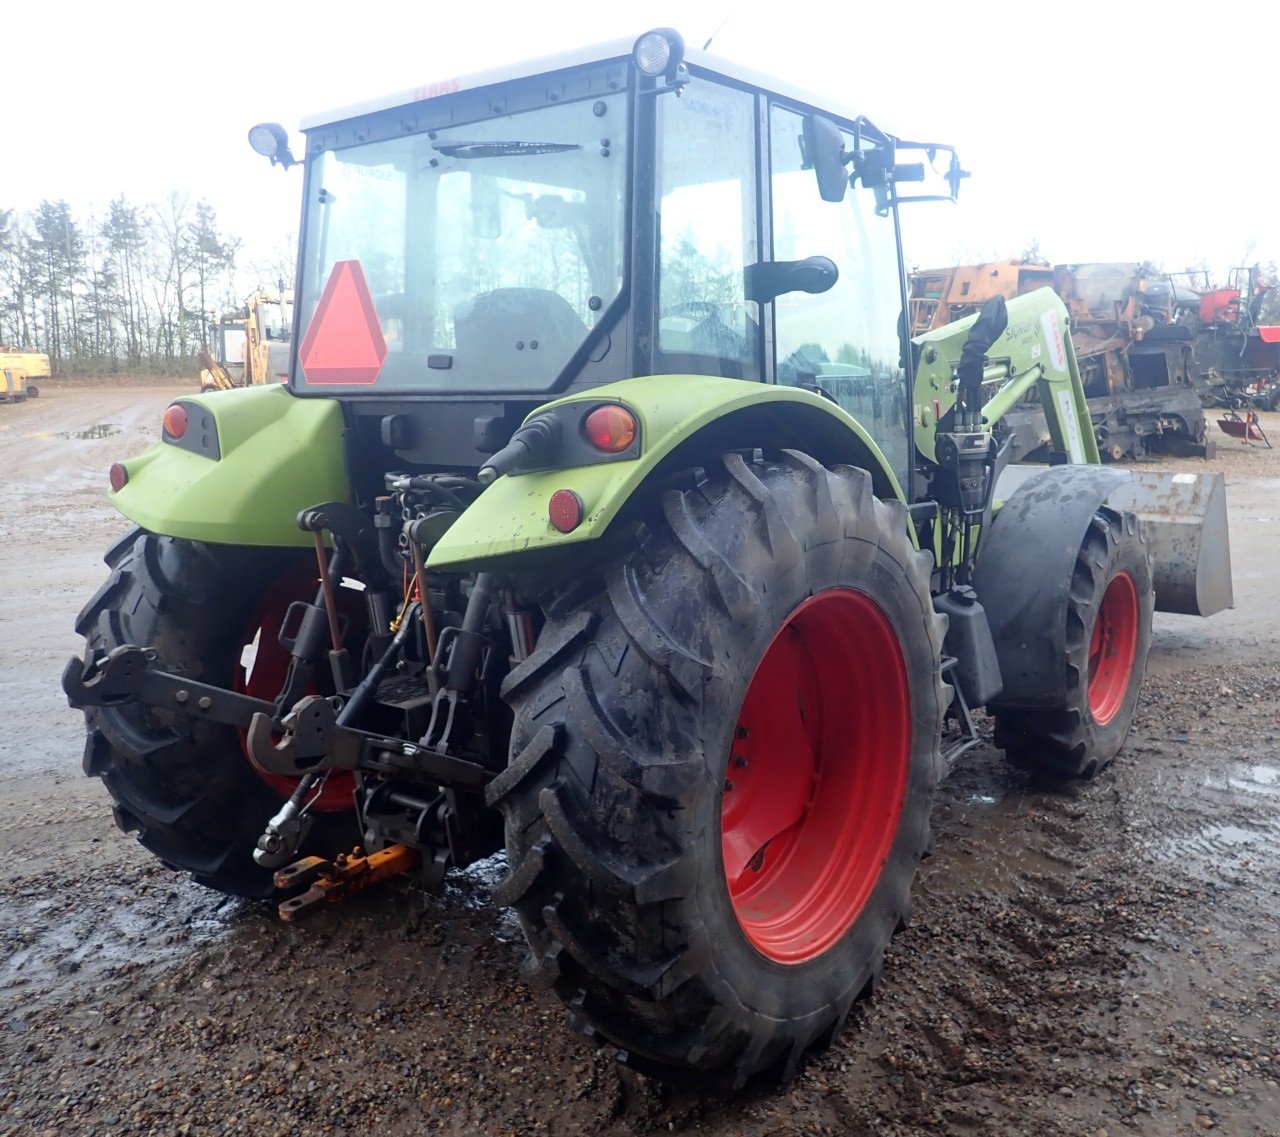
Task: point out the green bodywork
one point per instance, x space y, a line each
510 520
279 454
1034 350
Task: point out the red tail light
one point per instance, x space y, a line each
565 510
119 477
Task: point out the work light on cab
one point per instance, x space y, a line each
175 420
659 52
610 428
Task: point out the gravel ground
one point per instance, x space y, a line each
1091 960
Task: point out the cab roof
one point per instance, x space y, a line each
545 65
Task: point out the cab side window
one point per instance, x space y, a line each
708 233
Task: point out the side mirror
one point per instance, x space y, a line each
768 280
824 153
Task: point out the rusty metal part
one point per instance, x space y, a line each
326 585
420 576
333 881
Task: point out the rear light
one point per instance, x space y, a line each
565 510
175 420
119 477
610 428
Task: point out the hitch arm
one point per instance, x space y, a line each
127 675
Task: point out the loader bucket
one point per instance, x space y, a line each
1184 517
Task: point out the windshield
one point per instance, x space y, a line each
489 249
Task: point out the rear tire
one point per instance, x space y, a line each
634 833
1108 637
184 786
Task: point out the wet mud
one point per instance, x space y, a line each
1082 959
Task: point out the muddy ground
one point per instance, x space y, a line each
1088 960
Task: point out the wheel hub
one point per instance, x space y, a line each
815 777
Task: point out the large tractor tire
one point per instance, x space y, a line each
723 759
186 787
1108 637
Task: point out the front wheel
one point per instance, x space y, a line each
723 761
1108 635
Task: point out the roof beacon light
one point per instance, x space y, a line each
659 52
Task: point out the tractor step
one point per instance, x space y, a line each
331 882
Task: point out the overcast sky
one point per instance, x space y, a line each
1103 131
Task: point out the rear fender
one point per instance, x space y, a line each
685 420
251 460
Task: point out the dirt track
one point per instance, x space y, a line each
1100 959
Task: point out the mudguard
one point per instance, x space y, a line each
1026 560
678 415
252 458
1024 573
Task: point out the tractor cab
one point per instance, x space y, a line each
646 211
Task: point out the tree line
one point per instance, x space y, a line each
131 291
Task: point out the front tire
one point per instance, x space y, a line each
1108 636
723 761
184 786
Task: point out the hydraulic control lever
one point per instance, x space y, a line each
534 444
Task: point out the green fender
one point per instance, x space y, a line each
688 418
278 455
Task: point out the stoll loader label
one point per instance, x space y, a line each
1053 337
1074 446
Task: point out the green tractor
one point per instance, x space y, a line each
609 517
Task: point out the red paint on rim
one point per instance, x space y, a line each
267 671
1113 647
816 774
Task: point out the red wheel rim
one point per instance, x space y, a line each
815 777
1113 646
270 663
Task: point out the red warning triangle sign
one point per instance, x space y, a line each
344 342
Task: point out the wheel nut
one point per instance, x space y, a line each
204 702
181 696
728 785
740 762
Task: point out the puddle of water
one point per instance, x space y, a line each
47 938
98 430
1251 779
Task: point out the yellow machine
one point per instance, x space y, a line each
251 343
15 387
25 367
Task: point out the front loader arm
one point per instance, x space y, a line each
1035 350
